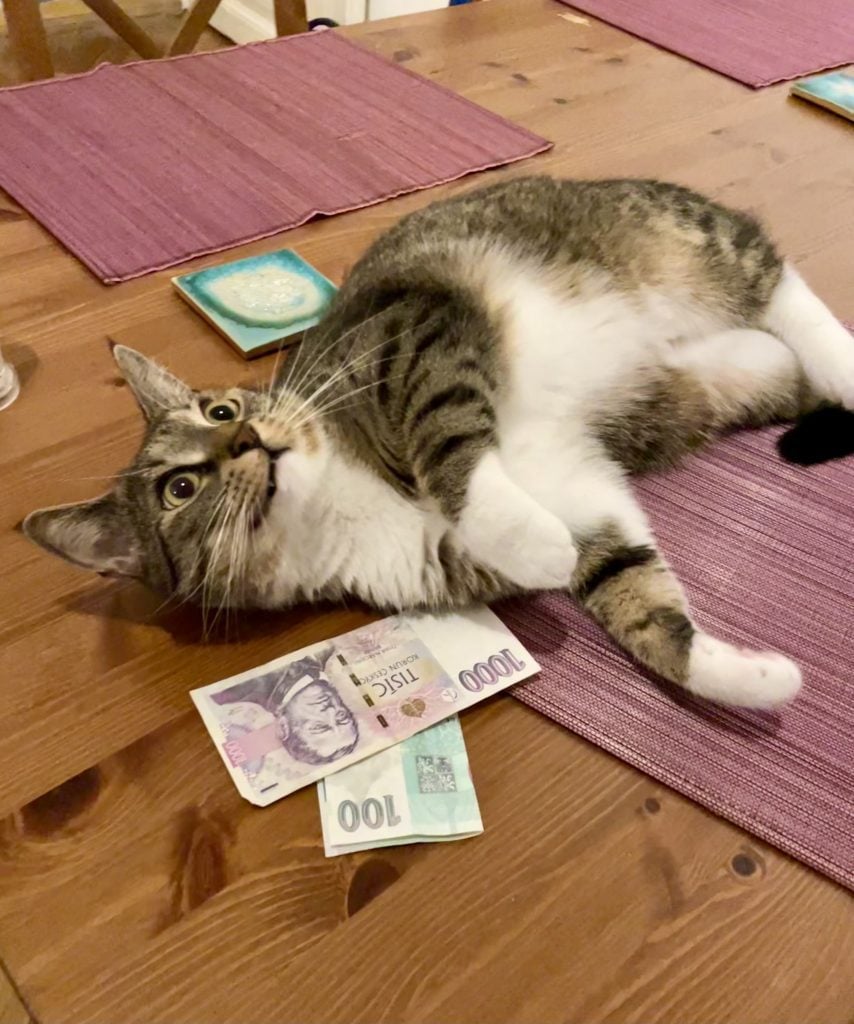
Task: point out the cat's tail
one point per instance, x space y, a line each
823 434
635 596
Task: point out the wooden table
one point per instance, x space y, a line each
138 888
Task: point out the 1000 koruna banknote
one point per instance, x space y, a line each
318 710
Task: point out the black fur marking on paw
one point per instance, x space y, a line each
822 435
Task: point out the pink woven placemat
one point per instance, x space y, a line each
766 553
138 167
757 42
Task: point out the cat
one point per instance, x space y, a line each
463 422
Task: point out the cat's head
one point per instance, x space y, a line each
203 511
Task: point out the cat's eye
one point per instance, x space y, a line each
180 488
222 411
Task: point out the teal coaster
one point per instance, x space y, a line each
257 302
834 90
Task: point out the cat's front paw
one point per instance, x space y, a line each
532 548
543 557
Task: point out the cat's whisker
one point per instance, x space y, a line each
268 391
292 365
235 552
289 383
288 388
235 578
243 546
296 385
334 378
206 531
234 536
214 559
318 411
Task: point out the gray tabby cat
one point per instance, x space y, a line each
463 423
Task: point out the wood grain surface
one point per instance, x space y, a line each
12 1010
138 888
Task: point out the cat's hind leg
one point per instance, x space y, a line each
825 349
622 580
635 596
747 378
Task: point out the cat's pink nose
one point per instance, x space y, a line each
245 440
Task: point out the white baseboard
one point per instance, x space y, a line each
240 22
246 21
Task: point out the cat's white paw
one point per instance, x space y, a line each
836 385
528 545
833 375
742 678
846 392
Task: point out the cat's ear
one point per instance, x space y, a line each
92 534
156 389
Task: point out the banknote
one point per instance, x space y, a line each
318 710
418 791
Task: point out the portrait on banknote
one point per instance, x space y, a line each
302 703
314 711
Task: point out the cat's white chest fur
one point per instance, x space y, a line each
355 531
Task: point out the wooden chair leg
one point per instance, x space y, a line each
290 17
125 27
27 39
194 23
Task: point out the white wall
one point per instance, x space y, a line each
245 21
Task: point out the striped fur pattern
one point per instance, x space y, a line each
463 424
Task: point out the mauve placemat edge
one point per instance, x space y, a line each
599 9
103 266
